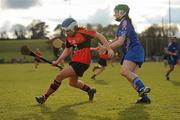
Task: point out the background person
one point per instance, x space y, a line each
37 58
172 56
102 63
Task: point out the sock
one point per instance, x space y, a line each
139 84
53 87
46 96
85 88
145 97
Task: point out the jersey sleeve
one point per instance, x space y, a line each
122 29
89 33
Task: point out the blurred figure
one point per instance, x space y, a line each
172 56
102 63
113 59
37 58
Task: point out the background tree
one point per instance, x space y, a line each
19 31
155 38
3 35
38 29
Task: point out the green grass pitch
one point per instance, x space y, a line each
10 49
115 98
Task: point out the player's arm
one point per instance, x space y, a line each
103 40
112 41
62 56
105 43
94 48
118 41
121 34
170 53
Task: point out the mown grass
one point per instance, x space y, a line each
10 49
115 98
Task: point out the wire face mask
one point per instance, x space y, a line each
68 25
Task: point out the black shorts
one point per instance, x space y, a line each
79 68
102 62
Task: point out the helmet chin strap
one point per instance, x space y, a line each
118 19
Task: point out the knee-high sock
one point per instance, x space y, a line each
53 87
85 88
139 84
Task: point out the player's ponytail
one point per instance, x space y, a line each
128 18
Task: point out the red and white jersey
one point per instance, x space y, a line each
81 42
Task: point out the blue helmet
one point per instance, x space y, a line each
69 24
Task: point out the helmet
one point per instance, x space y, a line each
122 8
69 24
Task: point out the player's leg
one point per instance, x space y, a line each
97 72
178 62
171 68
128 69
79 69
64 73
111 62
102 63
74 82
36 64
96 67
134 69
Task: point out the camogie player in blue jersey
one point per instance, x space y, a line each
172 56
133 58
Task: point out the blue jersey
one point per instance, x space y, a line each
132 49
126 29
173 47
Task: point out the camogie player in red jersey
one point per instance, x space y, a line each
102 62
79 39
